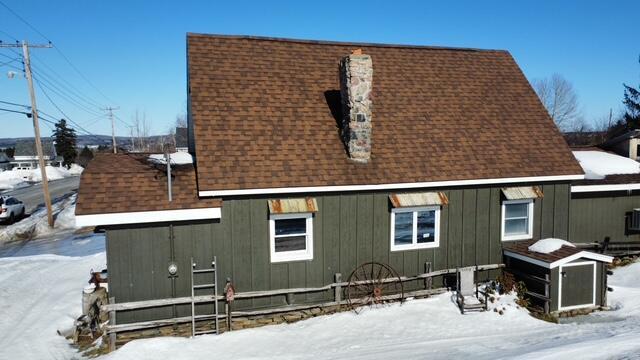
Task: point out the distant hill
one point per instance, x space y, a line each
82 140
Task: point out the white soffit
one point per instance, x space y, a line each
141 217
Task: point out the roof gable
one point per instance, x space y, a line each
265 113
28 148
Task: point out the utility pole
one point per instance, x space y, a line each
113 127
36 125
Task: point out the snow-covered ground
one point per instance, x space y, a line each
12 179
40 294
36 225
598 164
424 329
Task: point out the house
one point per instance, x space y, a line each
26 156
604 203
181 138
314 157
5 161
627 144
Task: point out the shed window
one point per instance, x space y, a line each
517 219
415 228
291 237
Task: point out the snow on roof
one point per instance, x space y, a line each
598 164
546 246
177 158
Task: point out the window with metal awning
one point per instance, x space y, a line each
401 200
522 192
517 212
291 229
292 206
415 220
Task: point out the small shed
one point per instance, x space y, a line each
559 276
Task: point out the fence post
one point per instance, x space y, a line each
290 298
547 294
337 291
112 322
428 281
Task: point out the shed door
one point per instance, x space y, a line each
577 285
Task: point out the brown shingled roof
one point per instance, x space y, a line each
522 248
264 115
114 183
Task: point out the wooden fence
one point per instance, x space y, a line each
112 328
545 281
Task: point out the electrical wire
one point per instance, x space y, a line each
53 88
58 50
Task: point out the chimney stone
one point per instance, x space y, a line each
355 90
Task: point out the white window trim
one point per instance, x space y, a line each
529 234
296 255
593 298
415 245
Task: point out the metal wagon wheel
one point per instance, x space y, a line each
373 284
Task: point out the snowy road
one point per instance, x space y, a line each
32 195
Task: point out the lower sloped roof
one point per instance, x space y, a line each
124 183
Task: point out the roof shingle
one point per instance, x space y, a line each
115 183
265 115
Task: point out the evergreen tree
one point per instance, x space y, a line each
632 102
65 138
85 156
10 151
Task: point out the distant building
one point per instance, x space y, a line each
26 157
182 140
627 145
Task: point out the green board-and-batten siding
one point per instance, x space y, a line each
595 216
349 229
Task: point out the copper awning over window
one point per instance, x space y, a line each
418 199
523 192
288 206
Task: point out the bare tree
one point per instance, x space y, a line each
140 132
560 99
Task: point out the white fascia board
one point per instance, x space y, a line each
604 188
582 254
416 185
141 217
555 264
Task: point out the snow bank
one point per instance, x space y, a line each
40 295
16 178
598 164
546 246
36 225
177 158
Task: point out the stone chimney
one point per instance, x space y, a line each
356 76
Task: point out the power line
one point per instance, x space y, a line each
9 35
15 111
68 84
60 110
15 104
24 21
55 89
57 50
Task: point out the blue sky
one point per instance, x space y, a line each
133 52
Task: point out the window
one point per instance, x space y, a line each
415 228
517 219
291 237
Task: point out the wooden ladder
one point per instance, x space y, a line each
194 287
